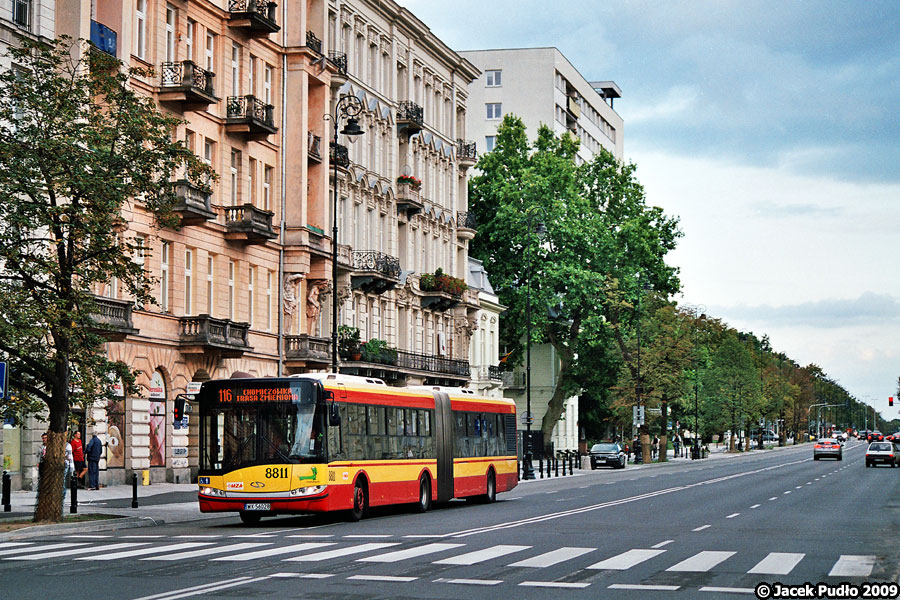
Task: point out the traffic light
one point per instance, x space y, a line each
890 400
178 410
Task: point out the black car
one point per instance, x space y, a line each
609 454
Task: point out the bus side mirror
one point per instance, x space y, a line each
334 417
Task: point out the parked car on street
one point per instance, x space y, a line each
882 453
609 454
828 448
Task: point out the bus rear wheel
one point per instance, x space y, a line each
360 502
424 502
490 494
250 518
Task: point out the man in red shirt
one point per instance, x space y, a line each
78 455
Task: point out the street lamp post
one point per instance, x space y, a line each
347 106
528 472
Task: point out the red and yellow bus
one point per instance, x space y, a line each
324 442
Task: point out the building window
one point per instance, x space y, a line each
252 74
267 85
493 110
252 178
210 274
21 12
140 38
252 276
210 52
189 39
164 276
268 301
492 78
235 179
489 142
188 280
170 33
235 70
231 289
267 188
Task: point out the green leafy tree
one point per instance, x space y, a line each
76 143
599 232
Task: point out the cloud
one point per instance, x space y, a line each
867 309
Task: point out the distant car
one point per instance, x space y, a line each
609 454
828 448
882 452
875 436
894 437
863 434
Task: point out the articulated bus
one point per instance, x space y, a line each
324 442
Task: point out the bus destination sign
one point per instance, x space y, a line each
267 394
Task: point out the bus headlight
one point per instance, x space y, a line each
308 491
208 491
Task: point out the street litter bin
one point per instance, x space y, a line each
145 477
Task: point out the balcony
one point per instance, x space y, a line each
314 147
339 155
466 153
103 38
439 301
465 225
313 42
256 17
408 199
113 318
305 350
249 224
187 83
394 364
250 116
410 118
494 373
194 203
374 272
203 333
338 60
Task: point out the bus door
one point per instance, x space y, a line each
443 444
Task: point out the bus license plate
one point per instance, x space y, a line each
258 506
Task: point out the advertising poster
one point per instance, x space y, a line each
157 420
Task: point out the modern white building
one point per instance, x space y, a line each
541 86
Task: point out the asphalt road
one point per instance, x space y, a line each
707 529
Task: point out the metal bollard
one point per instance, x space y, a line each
541 466
134 502
7 484
73 487
563 461
556 466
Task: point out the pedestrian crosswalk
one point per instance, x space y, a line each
670 559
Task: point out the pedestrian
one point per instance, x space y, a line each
638 457
41 455
676 443
68 472
92 452
654 448
78 457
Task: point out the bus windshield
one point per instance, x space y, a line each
244 424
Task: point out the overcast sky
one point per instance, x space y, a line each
772 130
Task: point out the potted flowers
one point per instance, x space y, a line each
441 282
377 351
410 180
348 342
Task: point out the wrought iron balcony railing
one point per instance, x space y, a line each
196 83
339 60
494 373
370 260
465 151
339 155
313 43
258 16
249 114
432 363
409 111
466 220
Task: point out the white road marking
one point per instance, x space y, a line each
727 590
275 551
733 515
756 506
470 581
311 536
777 563
302 575
626 560
774 498
554 584
371 536
399 555
42 548
329 554
661 544
208 551
850 565
788 492
197 537
204 589
551 558
478 556
41 555
637 586
14 544
701 528
388 578
702 561
144 551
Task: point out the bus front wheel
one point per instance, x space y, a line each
424 502
250 518
360 502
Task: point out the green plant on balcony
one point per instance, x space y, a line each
441 282
410 180
348 342
377 351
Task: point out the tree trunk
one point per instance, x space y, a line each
663 431
645 448
50 486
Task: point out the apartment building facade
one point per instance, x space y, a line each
541 86
245 284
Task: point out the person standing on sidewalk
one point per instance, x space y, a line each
41 455
78 456
92 452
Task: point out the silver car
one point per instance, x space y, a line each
882 452
828 448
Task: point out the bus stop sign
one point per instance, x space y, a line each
3 372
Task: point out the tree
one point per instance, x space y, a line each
76 143
600 233
733 383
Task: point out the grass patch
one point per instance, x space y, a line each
14 524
